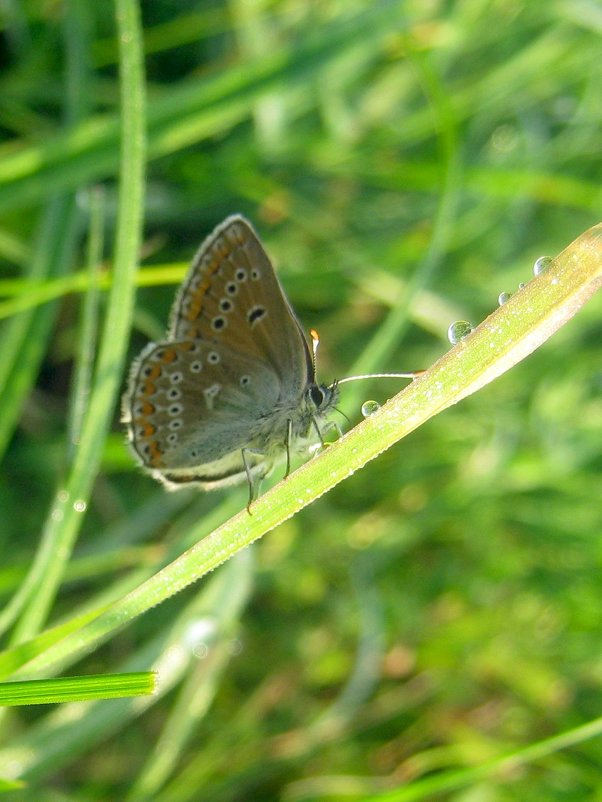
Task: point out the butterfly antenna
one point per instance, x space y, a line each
315 342
412 375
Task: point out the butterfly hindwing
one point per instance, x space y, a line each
191 402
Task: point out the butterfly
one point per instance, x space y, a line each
233 386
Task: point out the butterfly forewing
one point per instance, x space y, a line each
232 295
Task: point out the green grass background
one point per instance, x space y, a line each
404 163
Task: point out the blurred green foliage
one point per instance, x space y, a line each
443 606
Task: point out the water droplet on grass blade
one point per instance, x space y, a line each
458 330
541 265
369 408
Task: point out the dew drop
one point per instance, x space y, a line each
503 297
541 265
80 505
522 285
458 330
234 647
201 651
369 408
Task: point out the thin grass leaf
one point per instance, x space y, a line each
76 689
65 516
205 626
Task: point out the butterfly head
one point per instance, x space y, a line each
321 398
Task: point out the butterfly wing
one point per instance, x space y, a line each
215 402
232 295
192 404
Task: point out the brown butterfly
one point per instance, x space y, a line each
233 386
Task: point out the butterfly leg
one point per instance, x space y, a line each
318 431
326 428
253 479
332 424
287 445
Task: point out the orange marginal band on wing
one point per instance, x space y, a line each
223 251
154 454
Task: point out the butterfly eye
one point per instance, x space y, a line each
317 395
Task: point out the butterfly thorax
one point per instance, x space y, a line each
294 425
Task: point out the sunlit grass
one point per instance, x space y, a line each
436 612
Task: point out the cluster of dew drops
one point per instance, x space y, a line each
462 328
456 332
